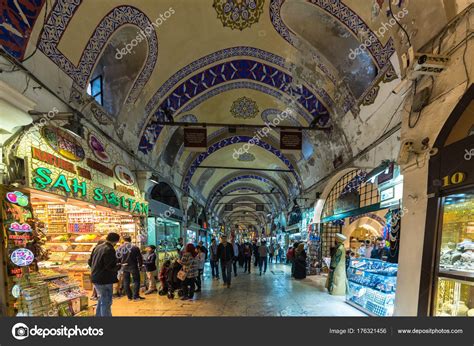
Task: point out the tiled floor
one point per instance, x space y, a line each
272 294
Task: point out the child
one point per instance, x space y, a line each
163 276
149 260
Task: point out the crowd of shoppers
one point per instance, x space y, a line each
122 267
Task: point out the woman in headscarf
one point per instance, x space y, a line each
300 262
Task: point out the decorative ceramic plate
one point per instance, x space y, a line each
124 175
98 148
22 257
63 143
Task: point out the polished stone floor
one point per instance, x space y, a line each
272 294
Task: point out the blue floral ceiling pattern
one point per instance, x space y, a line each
244 108
238 14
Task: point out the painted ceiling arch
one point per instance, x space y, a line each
231 141
241 69
216 196
201 59
249 201
259 179
58 21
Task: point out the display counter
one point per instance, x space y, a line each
372 286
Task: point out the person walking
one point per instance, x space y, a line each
214 260
289 255
271 252
255 252
262 257
236 250
94 295
225 253
300 262
131 260
190 267
247 257
201 259
104 269
279 254
203 248
149 260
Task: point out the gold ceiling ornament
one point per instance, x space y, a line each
238 14
244 107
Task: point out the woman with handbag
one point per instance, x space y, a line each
189 272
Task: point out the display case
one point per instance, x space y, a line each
372 286
455 281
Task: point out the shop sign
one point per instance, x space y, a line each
17 227
124 189
454 179
195 139
16 272
98 148
17 197
387 194
22 257
124 175
291 140
16 291
100 167
64 143
43 180
52 160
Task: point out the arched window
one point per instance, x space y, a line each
115 73
351 186
163 193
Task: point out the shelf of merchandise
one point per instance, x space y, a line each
365 277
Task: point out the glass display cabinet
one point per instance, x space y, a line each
455 279
372 286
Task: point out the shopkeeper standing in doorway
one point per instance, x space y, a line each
131 259
380 251
104 269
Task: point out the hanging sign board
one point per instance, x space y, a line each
73 167
195 139
291 141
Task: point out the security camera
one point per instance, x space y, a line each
406 148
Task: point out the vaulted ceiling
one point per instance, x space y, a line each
219 61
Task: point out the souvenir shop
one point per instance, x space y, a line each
364 206
449 235
74 193
164 221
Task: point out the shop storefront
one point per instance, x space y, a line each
365 207
449 236
73 197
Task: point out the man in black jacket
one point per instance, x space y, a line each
225 253
131 260
103 262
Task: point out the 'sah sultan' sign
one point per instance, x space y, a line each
44 179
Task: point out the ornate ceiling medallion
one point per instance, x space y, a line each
238 14
246 157
244 107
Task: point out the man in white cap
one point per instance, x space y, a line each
337 278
